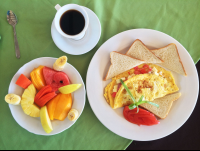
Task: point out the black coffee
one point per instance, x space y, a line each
72 22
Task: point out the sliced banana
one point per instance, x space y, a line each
13 99
73 115
60 63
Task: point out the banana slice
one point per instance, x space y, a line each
72 115
60 63
13 99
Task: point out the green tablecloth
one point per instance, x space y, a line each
177 18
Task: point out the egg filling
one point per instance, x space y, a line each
156 83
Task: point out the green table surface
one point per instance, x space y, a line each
177 18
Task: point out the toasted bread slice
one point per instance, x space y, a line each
165 104
171 58
140 51
121 63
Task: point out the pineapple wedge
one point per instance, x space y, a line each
27 102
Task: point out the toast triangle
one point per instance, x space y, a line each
171 58
140 51
165 103
121 63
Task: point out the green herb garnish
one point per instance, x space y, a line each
136 104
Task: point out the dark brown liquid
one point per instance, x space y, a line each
72 22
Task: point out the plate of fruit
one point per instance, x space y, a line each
46 96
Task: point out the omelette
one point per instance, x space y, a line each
153 85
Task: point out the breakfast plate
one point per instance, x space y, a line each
33 125
113 119
87 43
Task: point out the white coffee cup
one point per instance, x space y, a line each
61 11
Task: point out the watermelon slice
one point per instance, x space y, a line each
61 79
48 75
54 86
55 79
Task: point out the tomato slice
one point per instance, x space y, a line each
119 85
136 68
114 94
144 70
137 72
143 117
146 66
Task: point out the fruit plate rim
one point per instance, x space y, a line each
81 93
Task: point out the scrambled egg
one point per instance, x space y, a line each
153 85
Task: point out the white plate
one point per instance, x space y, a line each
113 119
33 125
87 43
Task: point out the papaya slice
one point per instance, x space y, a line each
63 107
23 81
51 106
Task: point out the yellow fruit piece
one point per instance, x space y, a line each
69 88
60 63
73 115
63 106
27 102
37 78
13 99
45 120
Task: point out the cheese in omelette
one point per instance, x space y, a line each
153 85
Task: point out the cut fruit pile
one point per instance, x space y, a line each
41 97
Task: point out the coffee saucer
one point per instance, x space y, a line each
87 43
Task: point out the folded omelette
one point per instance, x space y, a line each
153 85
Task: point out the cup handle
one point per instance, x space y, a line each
57 7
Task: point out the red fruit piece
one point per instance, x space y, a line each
48 75
23 81
43 91
61 79
44 99
54 86
55 79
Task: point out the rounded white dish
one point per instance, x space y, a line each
84 45
33 125
113 119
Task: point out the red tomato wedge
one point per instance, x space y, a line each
143 117
143 70
119 85
114 94
136 67
137 72
146 66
